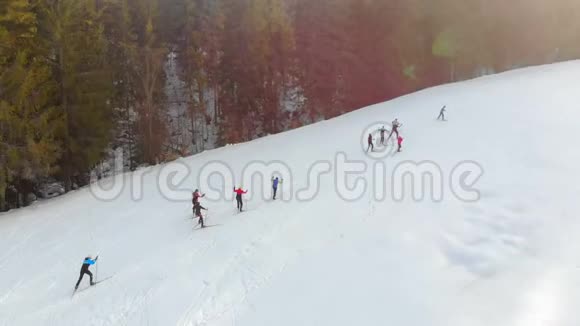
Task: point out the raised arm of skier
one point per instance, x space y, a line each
239 191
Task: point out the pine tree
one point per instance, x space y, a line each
149 57
29 116
321 39
195 70
271 43
258 41
122 54
72 32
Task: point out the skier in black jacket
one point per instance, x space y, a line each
197 211
442 114
396 126
370 142
383 130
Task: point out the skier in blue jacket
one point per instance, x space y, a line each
85 270
275 182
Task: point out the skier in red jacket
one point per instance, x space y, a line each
196 196
239 192
399 142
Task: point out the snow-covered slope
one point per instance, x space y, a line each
509 258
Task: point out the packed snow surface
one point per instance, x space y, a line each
327 255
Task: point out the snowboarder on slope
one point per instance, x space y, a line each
399 142
197 212
442 113
275 182
370 141
85 270
383 130
395 129
239 192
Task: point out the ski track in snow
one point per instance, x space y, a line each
212 304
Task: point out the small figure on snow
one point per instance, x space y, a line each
399 143
383 131
370 141
239 192
197 213
196 196
85 270
395 129
442 114
275 182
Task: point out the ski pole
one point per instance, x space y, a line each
97 268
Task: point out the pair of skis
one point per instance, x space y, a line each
198 226
205 227
75 291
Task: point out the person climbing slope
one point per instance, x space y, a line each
382 130
395 129
275 182
442 114
370 142
239 192
197 213
85 270
399 143
196 196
